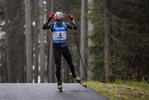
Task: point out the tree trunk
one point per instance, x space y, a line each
51 67
36 32
7 44
90 57
20 64
28 40
106 42
36 55
82 45
42 67
66 71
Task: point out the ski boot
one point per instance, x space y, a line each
78 79
60 85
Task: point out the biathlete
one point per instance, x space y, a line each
59 33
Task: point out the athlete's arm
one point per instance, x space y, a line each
46 25
71 26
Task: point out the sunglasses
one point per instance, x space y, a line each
59 20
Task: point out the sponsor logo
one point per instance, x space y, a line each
59 28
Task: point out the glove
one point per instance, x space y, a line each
51 15
70 16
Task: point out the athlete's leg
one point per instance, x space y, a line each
67 56
57 58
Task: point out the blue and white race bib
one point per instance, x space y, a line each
59 34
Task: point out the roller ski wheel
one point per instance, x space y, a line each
84 85
60 86
78 80
60 90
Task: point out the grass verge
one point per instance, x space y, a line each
122 90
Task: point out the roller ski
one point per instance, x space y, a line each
60 86
78 80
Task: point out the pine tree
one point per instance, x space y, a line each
28 40
90 32
42 67
107 42
82 39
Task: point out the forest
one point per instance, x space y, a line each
112 36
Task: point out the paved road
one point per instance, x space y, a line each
47 91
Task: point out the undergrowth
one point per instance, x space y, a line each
122 90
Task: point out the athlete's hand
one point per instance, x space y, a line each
70 16
51 15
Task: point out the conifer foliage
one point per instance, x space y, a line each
114 45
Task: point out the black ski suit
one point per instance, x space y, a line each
59 45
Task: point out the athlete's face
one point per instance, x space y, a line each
59 21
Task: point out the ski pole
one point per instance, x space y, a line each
79 52
48 51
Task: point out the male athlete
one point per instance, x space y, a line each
59 33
